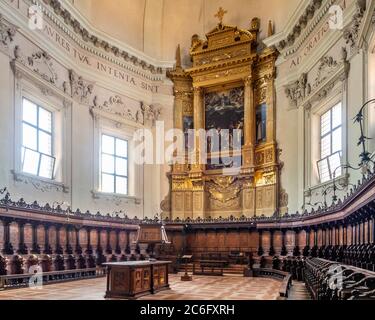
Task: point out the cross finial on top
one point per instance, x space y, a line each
220 14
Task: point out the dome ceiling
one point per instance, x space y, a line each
155 27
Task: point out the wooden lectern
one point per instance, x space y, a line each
186 276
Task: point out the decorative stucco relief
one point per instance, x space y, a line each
150 114
351 34
81 89
39 184
42 63
116 106
7 33
329 72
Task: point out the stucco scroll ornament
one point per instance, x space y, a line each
7 32
326 67
115 105
42 63
297 91
81 89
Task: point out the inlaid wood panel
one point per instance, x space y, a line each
244 239
62 237
28 235
302 239
123 240
320 237
178 241
83 237
72 237
94 238
266 240
290 240
113 239
221 240
1 234
14 234
52 236
211 239
312 236
341 233
277 240
132 236
103 238
254 240
233 240
40 235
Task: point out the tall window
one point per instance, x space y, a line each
330 144
114 165
37 156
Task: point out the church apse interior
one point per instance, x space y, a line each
187 150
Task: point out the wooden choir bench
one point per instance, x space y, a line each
209 267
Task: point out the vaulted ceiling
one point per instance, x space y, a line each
155 27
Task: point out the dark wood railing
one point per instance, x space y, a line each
285 277
22 280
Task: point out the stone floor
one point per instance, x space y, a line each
228 287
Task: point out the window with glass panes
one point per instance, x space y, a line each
329 165
114 165
37 148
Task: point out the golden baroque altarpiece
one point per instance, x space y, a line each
227 61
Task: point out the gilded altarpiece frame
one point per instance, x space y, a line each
228 59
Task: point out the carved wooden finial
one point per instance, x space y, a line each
220 14
270 28
178 57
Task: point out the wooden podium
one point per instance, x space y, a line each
133 279
186 276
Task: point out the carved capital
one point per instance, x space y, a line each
248 81
198 90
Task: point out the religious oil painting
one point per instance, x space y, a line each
225 109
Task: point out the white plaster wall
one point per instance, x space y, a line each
287 139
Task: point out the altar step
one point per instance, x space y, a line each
298 291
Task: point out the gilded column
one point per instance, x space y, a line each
198 125
271 123
178 125
248 192
200 157
249 125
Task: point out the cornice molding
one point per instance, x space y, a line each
88 33
291 39
17 18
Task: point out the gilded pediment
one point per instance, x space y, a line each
220 37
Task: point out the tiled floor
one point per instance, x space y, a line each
201 288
